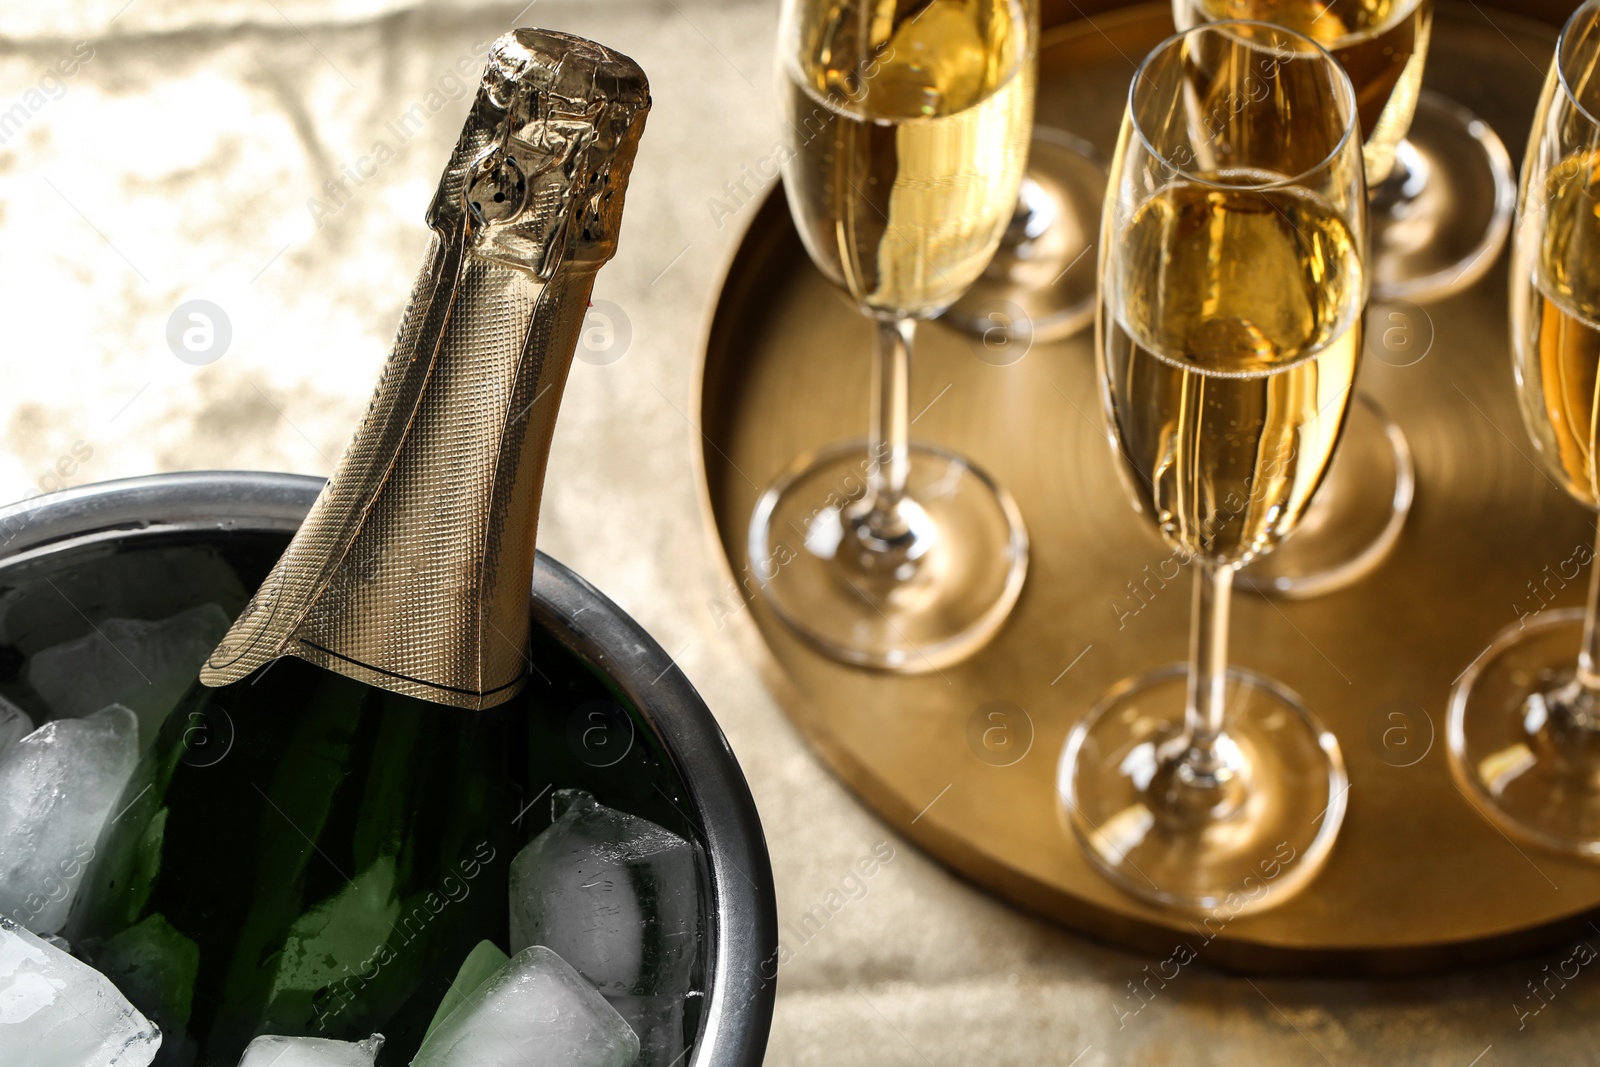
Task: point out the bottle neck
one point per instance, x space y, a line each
413 571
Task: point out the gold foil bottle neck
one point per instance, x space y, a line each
413 570
539 171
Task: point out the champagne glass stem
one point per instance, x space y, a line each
1208 656
1589 651
891 422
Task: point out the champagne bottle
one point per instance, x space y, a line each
321 832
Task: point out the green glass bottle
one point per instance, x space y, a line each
323 828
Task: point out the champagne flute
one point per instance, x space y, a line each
907 125
1232 292
1440 196
1524 720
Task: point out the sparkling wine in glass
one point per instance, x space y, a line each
1382 45
1524 720
1233 287
1040 285
1439 178
907 125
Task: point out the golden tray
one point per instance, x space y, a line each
1417 879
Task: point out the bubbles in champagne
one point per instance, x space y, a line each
1237 280
1229 356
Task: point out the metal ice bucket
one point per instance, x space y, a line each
678 765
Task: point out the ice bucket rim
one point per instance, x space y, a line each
743 943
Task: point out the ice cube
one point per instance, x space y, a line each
535 1009
268 1051
658 1023
14 725
615 895
481 964
57 788
137 663
57 1012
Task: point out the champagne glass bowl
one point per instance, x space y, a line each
1439 179
150 547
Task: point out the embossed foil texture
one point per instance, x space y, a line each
412 571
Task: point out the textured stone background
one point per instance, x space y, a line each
180 161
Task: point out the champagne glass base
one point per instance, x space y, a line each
1256 856
923 615
1441 217
1040 285
1356 517
1505 752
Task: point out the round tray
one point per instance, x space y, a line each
1416 880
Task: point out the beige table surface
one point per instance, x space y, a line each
181 161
